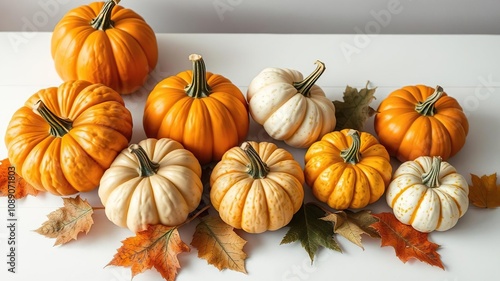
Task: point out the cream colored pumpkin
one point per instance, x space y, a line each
289 107
257 187
428 194
152 182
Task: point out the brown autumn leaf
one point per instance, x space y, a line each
406 241
67 222
157 246
12 183
352 225
219 244
353 111
484 191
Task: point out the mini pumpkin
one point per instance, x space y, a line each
421 121
64 138
289 107
104 43
203 111
347 169
156 181
428 194
257 187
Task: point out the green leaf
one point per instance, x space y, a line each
355 109
307 227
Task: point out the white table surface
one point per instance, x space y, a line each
467 67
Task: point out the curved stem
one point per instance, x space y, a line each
258 169
146 166
58 126
426 107
352 155
305 85
199 87
103 20
431 178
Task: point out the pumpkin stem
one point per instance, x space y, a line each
431 178
103 20
305 85
147 167
257 169
352 155
58 126
426 108
199 87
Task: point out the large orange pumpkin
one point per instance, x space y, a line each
421 121
203 111
63 139
104 43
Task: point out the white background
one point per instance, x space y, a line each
283 16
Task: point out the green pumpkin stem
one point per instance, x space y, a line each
257 168
199 87
103 20
58 126
431 178
305 85
352 155
426 108
147 167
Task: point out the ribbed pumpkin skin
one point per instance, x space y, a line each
342 184
166 196
101 128
207 126
257 204
407 134
120 56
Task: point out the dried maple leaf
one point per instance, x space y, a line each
157 246
407 242
352 225
484 191
355 109
12 183
219 244
312 232
67 222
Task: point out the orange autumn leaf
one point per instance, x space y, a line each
157 246
67 222
406 241
484 191
12 183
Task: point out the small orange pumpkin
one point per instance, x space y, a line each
421 121
64 138
203 111
104 43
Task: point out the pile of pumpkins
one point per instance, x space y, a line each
75 137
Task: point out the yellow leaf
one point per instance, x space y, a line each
484 191
219 244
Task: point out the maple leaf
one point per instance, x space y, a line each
157 246
407 242
219 244
352 225
352 112
67 222
312 232
13 183
484 191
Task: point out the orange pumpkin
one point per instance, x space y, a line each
63 139
421 121
203 111
104 43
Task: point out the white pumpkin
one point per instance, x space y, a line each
152 182
428 194
289 107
